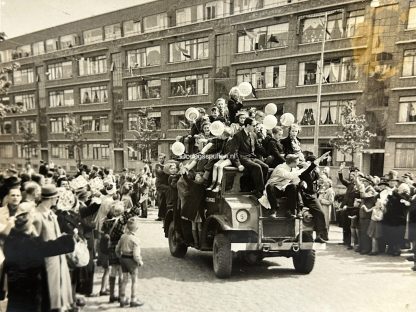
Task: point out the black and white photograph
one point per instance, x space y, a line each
208 155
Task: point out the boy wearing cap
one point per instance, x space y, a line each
128 249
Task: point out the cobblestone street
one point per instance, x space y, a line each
341 281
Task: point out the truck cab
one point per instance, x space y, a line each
236 225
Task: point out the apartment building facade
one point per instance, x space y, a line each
171 55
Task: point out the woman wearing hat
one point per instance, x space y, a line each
239 124
25 255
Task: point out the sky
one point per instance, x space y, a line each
19 17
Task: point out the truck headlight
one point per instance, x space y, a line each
242 215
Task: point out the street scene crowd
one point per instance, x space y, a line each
56 227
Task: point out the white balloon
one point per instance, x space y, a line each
270 122
270 109
191 114
217 128
178 148
245 88
287 119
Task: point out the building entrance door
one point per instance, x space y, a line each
118 160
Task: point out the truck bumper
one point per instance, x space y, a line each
271 247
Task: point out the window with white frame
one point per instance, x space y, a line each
61 70
59 151
308 73
355 23
407 109
409 63
264 77
27 100
243 6
189 85
38 48
214 9
131 28
306 113
27 152
24 51
144 89
340 70
69 41
97 94
177 120
133 119
349 69
405 156
57 124
5 127
6 151
267 37
23 76
61 98
6 55
51 45
95 123
92 65
149 56
183 16
32 125
112 32
155 22
411 21
312 29
194 49
96 151
93 35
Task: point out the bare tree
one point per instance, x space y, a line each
145 131
29 138
75 133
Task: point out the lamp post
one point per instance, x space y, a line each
320 76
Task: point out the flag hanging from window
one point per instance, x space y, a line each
273 38
251 34
112 67
184 51
253 90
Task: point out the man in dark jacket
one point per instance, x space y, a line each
247 148
162 187
25 263
347 204
273 147
309 195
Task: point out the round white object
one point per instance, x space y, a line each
270 109
178 148
245 88
270 122
191 114
217 128
242 215
287 119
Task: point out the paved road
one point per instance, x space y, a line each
341 281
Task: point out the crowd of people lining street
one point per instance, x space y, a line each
47 216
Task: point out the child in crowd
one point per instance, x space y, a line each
226 158
222 107
128 250
375 228
353 215
215 115
237 126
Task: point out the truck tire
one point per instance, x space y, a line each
177 248
304 261
222 256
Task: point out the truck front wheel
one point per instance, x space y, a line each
222 256
304 261
176 246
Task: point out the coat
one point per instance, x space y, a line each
233 107
246 145
25 266
274 150
288 146
56 267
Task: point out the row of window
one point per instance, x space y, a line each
208 11
98 123
6 127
